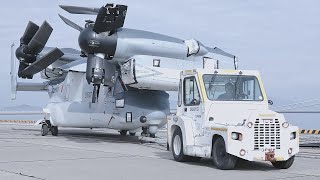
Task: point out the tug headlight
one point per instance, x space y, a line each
242 152
236 136
285 125
293 135
250 124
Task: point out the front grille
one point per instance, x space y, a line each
266 134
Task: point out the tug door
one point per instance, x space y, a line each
192 104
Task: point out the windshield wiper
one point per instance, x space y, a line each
236 84
212 82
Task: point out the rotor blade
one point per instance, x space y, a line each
43 62
220 52
30 31
40 39
22 66
80 10
71 24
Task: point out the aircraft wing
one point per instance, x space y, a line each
70 54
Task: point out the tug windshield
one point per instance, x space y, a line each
232 87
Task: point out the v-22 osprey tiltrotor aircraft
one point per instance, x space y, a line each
119 78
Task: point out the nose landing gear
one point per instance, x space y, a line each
149 131
47 127
44 130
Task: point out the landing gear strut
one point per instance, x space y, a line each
146 133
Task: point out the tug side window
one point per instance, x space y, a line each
191 94
180 94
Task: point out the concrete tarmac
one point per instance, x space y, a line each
104 154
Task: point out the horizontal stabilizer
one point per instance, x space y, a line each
80 10
69 54
43 62
70 51
22 86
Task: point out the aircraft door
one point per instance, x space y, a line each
192 104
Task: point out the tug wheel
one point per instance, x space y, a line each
54 131
221 159
44 130
283 164
177 146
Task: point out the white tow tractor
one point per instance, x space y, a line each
224 115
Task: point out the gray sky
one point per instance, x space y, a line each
280 38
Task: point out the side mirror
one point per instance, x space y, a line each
270 102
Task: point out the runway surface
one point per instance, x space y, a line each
103 154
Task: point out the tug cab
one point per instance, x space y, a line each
224 115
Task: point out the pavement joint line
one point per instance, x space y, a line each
21 174
308 157
148 145
64 159
91 150
15 146
293 173
289 177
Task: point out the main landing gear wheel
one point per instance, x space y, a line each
177 146
54 131
132 134
221 159
123 132
44 130
283 164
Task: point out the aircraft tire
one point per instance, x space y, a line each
44 130
54 131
